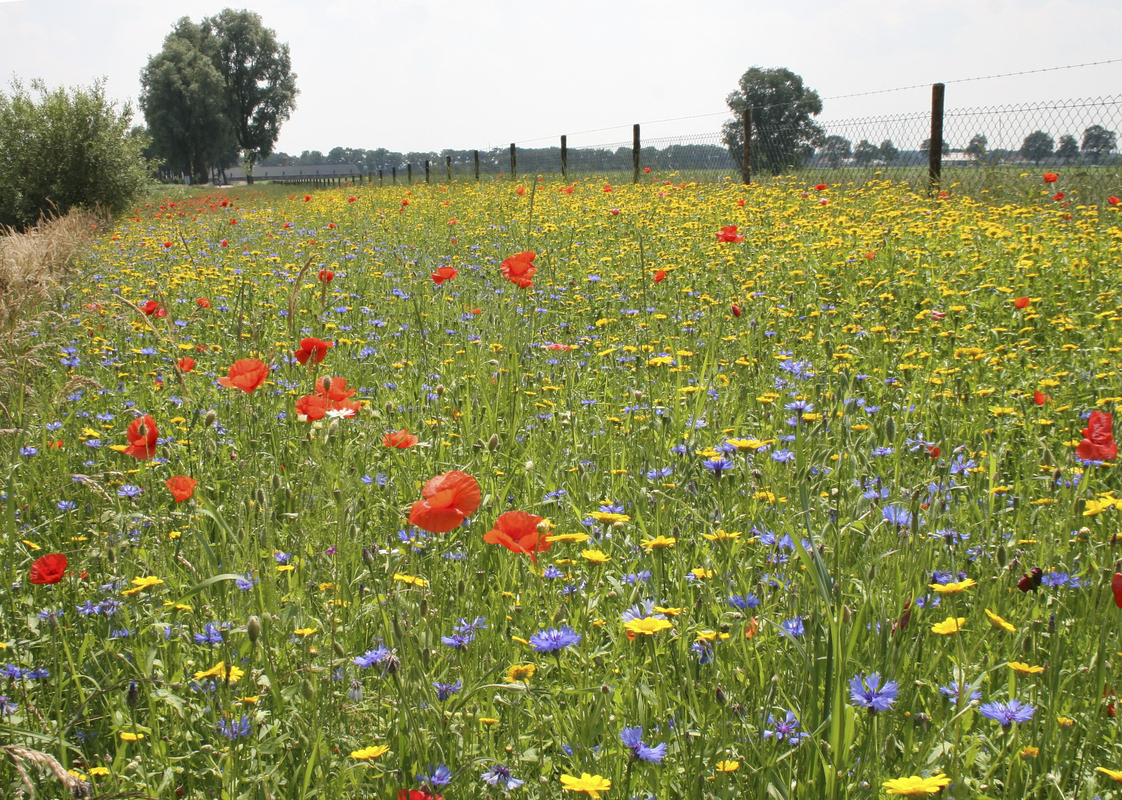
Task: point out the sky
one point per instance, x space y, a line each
433 74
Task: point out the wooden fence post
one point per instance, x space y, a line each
513 163
477 166
635 153
746 157
935 150
427 176
409 174
448 166
564 157
395 175
381 178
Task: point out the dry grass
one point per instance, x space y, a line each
33 265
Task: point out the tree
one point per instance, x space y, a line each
68 148
1068 149
1037 146
182 98
1099 142
260 85
836 148
977 147
888 151
925 147
783 133
865 152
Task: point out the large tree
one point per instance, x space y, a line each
1037 146
1068 149
865 152
783 133
1099 142
183 100
260 85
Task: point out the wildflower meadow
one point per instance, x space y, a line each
656 490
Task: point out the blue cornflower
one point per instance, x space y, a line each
1008 713
28 451
246 582
743 602
458 641
793 627
961 465
954 691
878 452
553 640
787 729
866 692
7 706
234 730
656 474
66 505
1058 579
446 690
210 635
499 775
783 456
463 626
372 658
552 572
632 739
440 776
717 465
897 515
129 491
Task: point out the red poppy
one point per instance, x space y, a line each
1040 398
224 243
556 346
326 276
1113 200
520 190
660 275
646 169
519 268
933 450
1031 580
518 532
820 187
150 308
608 189
247 375
49 568
332 226
1058 196
314 349
1098 438
142 436
307 197
348 408
444 274
401 439
417 794
728 234
938 315
202 302
1116 587
311 407
351 199
1051 177
448 498
740 203
338 391
567 190
736 312
181 487
185 364
1022 302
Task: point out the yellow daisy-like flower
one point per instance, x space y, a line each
748 444
286 568
1116 774
596 556
953 588
131 737
568 537
221 671
520 673
727 766
412 580
607 516
368 753
1024 669
915 786
722 536
99 771
1028 751
659 542
701 573
647 625
591 785
489 720
305 631
1065 722
948 626
998 622
140 584
670 612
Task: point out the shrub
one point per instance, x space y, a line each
63 149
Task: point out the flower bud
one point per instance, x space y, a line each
367 556
333 429
440 390
326 384
308 689
389 406
210 418
493 443
253 628
132 699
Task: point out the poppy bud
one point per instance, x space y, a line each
493 442
308 689
333 429
720 696
1002 556
260 494
890 429
340 651
423 607
440 390
276 483
1025 583
253 628
326 384
1037 576
461 588
367 556
605 689
847 614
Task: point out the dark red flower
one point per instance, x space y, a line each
448 498
1113 200
314 349
519 268
1058 196
142 436
1116 588
49 568
518 532
181 487
736 312
247 374
1098 438
417 794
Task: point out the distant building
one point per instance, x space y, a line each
237 174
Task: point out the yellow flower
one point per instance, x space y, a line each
701 573
670 612
1028 751
489 720
591 785
647 625
1024 669
748 444
1116 774
99 770
1065 722
286 567
948 626
131 737
367 753
659 541
915 786
305 631
722 536
520 673
410 579
998 622
607 516
727 766
250 700
220 670
596 556
518 639
953 588
568 537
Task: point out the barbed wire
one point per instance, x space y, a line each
841 97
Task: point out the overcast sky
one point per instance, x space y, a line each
434 74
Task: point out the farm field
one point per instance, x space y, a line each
554 490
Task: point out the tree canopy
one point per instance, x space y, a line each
783 133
